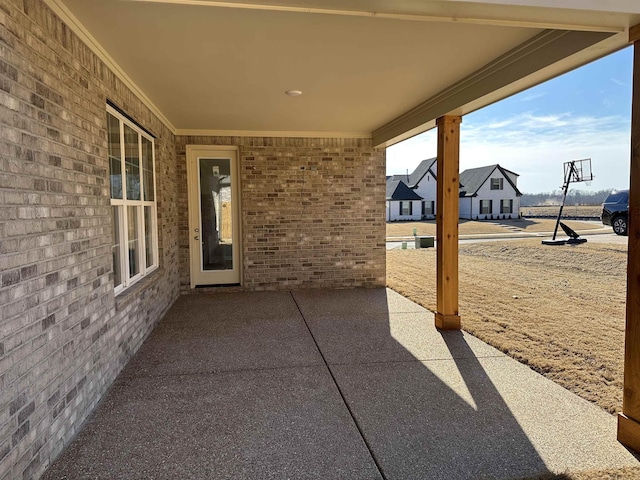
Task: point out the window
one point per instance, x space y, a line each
486 207
134 246
496 183
406 208
506 206
427 207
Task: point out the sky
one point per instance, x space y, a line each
585 113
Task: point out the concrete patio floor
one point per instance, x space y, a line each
344 384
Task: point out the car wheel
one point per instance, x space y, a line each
620 225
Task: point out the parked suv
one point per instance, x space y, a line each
615 211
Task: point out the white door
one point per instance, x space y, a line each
214 227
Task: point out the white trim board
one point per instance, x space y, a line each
60 9
259 133
444 17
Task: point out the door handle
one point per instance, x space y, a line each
196 238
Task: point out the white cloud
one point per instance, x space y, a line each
618 82
531 96
499 124
535 146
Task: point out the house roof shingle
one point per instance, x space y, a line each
398 190
473 178
420 171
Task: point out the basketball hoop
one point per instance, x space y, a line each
578 171
574 171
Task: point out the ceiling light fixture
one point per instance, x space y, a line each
293 93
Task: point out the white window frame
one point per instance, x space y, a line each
122 204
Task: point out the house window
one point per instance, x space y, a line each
134 245
506 206
406 208
486 207
427 207
496 183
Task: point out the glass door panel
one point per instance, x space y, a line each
215 213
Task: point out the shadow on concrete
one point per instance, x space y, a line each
444 404
353 384
421 398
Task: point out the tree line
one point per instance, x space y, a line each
579 197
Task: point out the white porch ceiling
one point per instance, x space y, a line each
382 68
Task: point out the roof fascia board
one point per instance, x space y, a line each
620 6
435 162
504 170
475 20
427 171
507 170
541 51
61 10
485 180
498 167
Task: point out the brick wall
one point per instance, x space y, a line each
312 216
63 335
313 211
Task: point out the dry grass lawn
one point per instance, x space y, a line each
471 227
630 473
567 211
558 309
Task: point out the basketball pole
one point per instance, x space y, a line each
574 171
567 180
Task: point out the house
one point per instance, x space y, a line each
423 178
403 203
485 193
169 147
422 182
489 192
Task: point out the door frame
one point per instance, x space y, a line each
193 152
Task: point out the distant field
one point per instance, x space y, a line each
568 211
